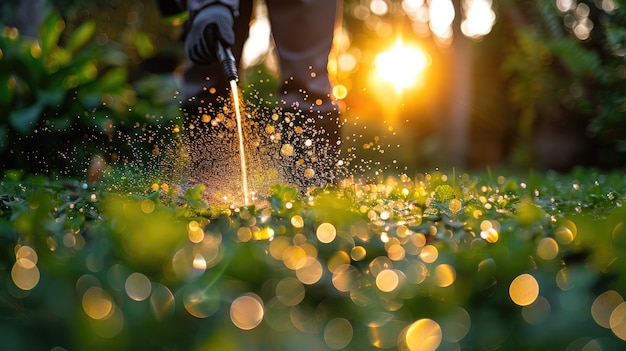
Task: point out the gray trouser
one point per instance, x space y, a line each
303 34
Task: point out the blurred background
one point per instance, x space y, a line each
464 83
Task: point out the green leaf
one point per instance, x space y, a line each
144 45
577 59
112 80
50 31
528 213
52 98
25 120
81 36
194 198
444 193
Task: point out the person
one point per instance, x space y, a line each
303 34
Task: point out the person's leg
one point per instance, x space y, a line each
208 140
303 34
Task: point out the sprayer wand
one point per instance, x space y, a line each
226 58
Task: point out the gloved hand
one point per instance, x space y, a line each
212 24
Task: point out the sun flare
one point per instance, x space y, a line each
402 65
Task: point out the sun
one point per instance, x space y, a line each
402 65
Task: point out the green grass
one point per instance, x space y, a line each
442 259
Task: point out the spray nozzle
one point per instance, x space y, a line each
226 58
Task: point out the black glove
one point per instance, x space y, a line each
212 24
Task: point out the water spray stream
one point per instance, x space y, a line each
242 156
229 66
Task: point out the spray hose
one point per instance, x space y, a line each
227 60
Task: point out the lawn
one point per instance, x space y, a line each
439 260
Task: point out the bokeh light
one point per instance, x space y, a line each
290 291
246 311
383 331
195 232
456 325
162 302
27 256
563 279
147 206
416 272
186 265
199 301
489 231
265 233
338 333
423 335
524 289
108 327
566 233
444 275
326 233
337 259
441 14
603 307
294 257
244 234
297 221
278 247
345 278
97 303
303 319
429 254
138 286
25 273
387 280
537 312
358 253
311 272
617 321
479 18
547 249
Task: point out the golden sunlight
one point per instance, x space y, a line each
402 65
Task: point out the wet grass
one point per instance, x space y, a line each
440 259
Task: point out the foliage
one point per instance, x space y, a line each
66 98
364 266
574 83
